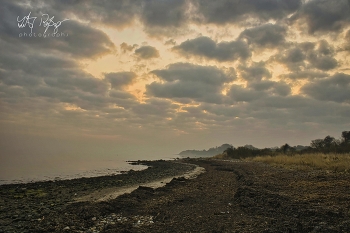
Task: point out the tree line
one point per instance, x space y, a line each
327 145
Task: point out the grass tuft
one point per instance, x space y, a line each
332 162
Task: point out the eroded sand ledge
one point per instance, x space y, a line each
112 193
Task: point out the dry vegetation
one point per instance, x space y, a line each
221 156
332 162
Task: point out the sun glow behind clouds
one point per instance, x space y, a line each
73 107
155 73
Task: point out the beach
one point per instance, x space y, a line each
230 196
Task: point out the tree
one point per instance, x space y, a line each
285 148
328 142
229 151
317 144
345 137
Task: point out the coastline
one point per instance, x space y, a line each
22 204
231 196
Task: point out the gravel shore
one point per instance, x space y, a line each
231 196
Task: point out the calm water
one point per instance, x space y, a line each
24 170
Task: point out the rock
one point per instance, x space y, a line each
145 188
93 219
66 228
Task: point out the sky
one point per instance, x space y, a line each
155 77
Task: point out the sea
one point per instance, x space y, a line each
21 170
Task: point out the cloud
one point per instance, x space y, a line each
207 48
335 88
256 72
324 16
235 11
170 42
77 81
304 75
279 88
164 18
267 35
155 107
308 55
295 56
159 13
322 58
258 90
184 80
83 41
346 45
147 52
323 62
120 80
77 40
117 14
127 48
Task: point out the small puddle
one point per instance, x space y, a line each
112 193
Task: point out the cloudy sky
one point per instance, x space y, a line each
155 77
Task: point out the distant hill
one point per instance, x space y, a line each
205 153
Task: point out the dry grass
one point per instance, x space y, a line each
221 156
332 162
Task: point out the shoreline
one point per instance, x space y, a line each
24 204
74 175
230 196
108 194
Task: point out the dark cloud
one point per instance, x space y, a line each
184 80
118 94
77 81
258 90
239 93
147 52
156 107
233 11
279 88
267 35
207 48
305 75
83 41
322 58
21 67
294 58
193 73
324 15
120 80
164 18
122 99
159 13
76 39
256 72
116 14
335 88
323 62
308 55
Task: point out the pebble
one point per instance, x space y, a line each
112 219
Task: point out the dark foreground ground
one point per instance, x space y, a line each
229 197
